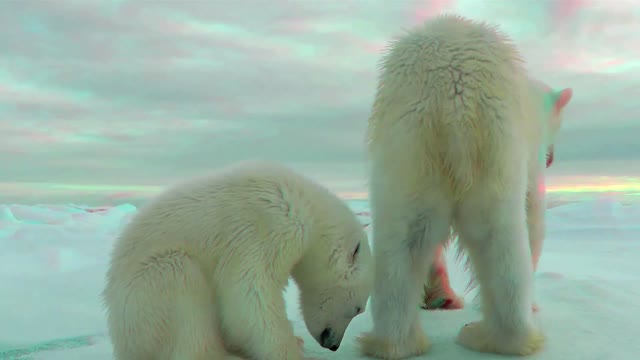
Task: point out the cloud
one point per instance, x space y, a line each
145 92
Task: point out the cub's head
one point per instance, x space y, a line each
335 278
553 102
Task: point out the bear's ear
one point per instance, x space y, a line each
561 98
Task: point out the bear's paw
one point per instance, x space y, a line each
477 337
381 348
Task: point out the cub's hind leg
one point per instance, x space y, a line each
163 309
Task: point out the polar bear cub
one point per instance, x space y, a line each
199 273
456 139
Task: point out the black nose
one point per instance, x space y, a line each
328 340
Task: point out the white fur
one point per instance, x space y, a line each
198 274
550 103
543 96
455 139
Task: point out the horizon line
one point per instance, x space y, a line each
571 184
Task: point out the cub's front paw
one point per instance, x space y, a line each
393 349
478 337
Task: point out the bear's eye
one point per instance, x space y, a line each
355 252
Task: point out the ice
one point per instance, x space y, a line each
54 258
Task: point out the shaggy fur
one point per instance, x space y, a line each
198 274
456 139
437 293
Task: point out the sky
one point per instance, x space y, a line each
125 97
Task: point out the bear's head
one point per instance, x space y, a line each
553 103
335 278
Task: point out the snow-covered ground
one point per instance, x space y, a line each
54 257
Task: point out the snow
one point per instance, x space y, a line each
54 258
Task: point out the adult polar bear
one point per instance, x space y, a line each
456 138
198 274
437 291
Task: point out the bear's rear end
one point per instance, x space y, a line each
451 96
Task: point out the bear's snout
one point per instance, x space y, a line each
328 340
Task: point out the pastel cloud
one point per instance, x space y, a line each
141 92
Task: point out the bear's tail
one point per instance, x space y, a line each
449 96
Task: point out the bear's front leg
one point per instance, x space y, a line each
536 207
255 320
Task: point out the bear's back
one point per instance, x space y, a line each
227 215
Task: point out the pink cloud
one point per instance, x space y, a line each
424 9
23 137
294 25
566 8
121 195
373 47
170 82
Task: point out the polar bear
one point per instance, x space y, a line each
199 272
456 139
437 291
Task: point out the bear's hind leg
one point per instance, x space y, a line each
406 234
193 321
493 229
163 310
